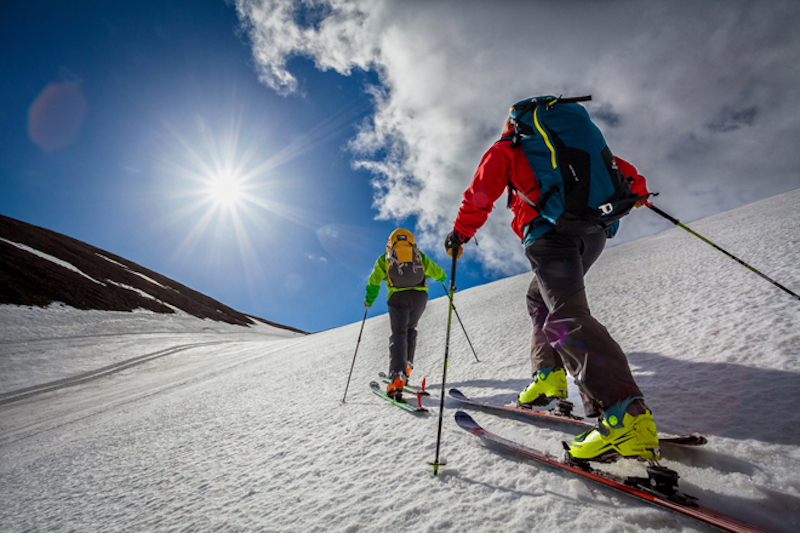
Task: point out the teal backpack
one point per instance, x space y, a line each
581 189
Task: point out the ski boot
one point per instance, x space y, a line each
626 429
395 388
548 384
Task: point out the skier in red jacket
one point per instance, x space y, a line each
565 334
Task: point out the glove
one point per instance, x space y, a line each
368 304
443 278
642 191
638 187
454 240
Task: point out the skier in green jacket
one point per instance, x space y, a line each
404 269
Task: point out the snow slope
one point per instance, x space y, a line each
223 428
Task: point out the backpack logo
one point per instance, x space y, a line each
403 261
581 188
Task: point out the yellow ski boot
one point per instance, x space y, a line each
548 384
626 429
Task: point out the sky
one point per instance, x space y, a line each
261 152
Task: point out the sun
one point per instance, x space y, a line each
225 190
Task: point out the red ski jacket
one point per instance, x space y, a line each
500 166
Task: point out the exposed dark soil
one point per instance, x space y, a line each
28 279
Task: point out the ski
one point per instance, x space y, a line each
377 389
407 388
677 440
659 488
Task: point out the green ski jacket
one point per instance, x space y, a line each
379 273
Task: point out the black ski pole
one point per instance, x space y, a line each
463 328
354 355
436 463
684 226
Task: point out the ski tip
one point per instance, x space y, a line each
695 440
457 394
684 440
466 422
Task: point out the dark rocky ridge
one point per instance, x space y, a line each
29 279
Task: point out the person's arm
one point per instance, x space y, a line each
374 283
432 270
488 184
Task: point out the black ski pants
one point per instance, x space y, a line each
405 310
565 334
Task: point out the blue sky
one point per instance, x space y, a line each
344 120
167 86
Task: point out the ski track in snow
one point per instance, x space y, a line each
249 433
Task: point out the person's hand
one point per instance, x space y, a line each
453 241
643 201
639 188
442 280
368 304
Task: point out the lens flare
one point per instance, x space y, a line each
56 117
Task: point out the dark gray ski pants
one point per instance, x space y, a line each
405 310
565 334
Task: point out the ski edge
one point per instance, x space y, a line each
698 512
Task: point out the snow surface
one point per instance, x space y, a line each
214 427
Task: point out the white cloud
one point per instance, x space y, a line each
700 96
317 258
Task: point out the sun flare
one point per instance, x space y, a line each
225 190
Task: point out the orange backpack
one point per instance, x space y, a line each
403 261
